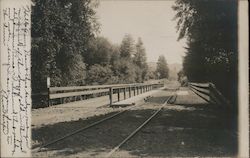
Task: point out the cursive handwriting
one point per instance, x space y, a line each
15 80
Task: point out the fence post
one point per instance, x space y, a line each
110 95
48 89
210 90
118 94
124 93
129 90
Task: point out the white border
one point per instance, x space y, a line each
243 39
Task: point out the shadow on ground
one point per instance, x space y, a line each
179 130
192 130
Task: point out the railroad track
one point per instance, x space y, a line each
112 117
137 129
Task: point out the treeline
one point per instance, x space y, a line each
109 64
65 47
210 28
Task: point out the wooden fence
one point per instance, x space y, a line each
209 92
60 94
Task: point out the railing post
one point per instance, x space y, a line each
134 91
129 90
118 94
110 95
48 89
210 90
124 93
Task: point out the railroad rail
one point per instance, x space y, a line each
85 128
137 129
42 147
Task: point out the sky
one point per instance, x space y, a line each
150 20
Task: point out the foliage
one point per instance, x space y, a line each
140 60
99 52
125 71
151 75
127 47
182 78
115 54
99 74
210 28
162 67
66 48
61 30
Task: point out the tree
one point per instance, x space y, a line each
140 60
61 31
99 74
127 47
125 70
99 52
115 54
210 28
162 67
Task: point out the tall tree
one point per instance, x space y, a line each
210 28
140 60
99 52
162 67
115 54
61 30
127 47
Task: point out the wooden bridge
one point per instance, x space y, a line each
61 95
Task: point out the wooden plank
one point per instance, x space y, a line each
54 89
200 95
201 85
201 90
70 94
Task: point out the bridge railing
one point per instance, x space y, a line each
59 94
209 92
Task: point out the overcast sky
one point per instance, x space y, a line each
150 20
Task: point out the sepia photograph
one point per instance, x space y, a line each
123 78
